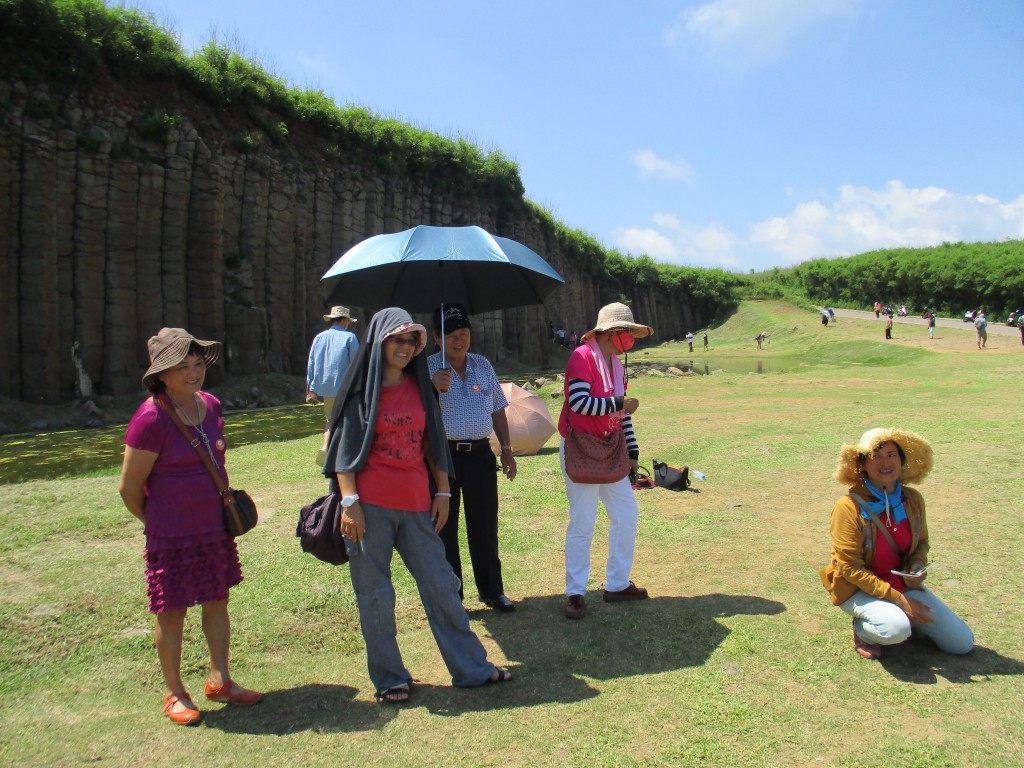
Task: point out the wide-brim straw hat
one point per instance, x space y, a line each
617 315
170 347
916 450
338 313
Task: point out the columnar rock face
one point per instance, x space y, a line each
108 233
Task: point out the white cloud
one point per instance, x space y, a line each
864 219
752 28
675 242
860 219
649 164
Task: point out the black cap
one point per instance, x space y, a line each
455 317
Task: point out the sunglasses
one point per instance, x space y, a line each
404 341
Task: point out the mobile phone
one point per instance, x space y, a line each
915 574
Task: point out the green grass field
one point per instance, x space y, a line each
738 660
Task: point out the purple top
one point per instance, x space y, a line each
181 497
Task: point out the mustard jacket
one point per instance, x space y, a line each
853 547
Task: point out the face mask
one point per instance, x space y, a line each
623 342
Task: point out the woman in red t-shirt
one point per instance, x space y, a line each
388 458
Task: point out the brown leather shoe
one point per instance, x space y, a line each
866 649
576 607
632 592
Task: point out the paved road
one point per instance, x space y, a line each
941 322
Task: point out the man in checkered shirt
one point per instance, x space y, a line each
472 404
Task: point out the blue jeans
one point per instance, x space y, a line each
412 534
885 623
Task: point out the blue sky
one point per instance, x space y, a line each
741 134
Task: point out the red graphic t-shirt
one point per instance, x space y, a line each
395 474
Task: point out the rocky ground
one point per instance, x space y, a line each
235 393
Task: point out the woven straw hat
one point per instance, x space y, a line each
170 346
337 313
915 448
617 315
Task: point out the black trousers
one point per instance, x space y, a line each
476 487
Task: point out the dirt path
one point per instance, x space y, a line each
941 322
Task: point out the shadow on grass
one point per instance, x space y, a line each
317 708
552 657
918 661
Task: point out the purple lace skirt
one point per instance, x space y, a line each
184 571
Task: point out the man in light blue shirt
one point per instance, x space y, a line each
472 405
329 357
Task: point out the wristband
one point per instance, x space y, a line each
443 493
506 447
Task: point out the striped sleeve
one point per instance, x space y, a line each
632 446
582 403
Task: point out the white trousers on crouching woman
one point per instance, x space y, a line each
885 623
623 513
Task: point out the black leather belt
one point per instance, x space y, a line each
463 446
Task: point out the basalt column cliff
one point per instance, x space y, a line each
129 204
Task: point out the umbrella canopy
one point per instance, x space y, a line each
529 422
425 266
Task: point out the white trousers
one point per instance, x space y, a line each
885 623
623 513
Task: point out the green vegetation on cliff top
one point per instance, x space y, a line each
75 41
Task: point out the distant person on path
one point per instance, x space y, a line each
878 309
573 340
689 340
190 558
1020 325
705 341
879 539
759 338
931 326
981 325
888 326
388 458
472 406
595 402
824 316
831 314
330 355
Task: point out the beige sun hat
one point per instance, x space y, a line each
170 346
339 312
617 315
916 450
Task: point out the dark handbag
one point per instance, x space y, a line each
595 460
240 515
319 530
670 477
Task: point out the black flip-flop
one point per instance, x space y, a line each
385 696
504 676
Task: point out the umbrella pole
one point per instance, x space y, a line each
440 266
443 366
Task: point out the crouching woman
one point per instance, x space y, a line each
879 539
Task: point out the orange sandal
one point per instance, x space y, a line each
244 698
187 716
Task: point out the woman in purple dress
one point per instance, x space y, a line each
190 558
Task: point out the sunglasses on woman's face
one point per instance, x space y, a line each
404 341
